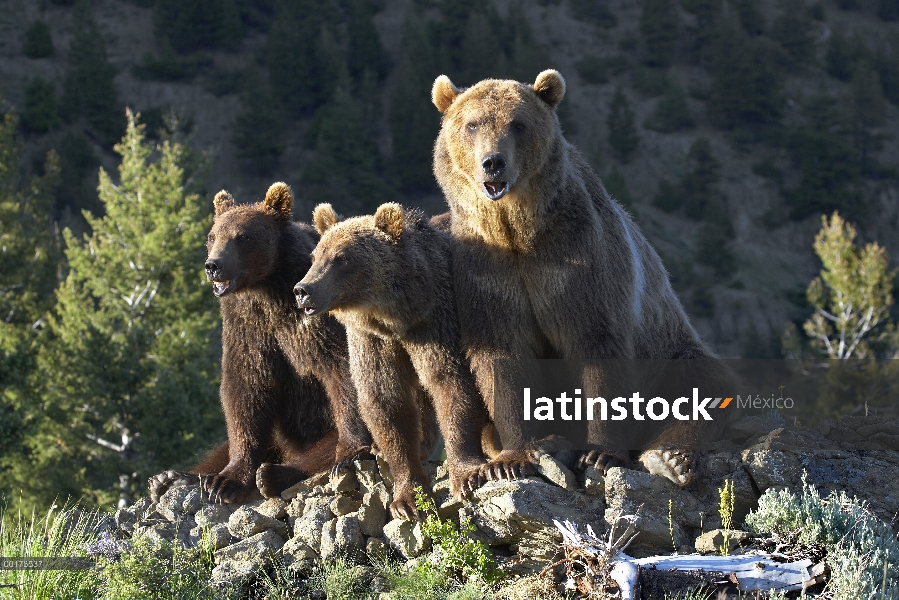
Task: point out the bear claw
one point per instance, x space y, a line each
675 465
160 484
602 461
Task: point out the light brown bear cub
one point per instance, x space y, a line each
549 266
387 278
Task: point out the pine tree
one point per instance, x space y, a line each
345 167
622 131
41 111
658 25
867 111
127 372
259 128
29 260
414 122
89 86
852 296
38 41
671 112
793 31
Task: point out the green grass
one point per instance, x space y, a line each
65 532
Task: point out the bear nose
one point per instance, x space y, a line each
300 292
211 267
494 164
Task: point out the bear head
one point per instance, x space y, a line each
355 261
243 243
496 135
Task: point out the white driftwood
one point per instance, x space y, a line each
752 571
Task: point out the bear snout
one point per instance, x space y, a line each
493 164
212 268
303 294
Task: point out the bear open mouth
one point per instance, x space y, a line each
310 310
495 189
220 288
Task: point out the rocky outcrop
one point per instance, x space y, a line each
346 513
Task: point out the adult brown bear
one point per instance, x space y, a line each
289 403
550 266
388 278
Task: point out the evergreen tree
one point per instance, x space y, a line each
616 185
671 112
192 26
746 87
345 168
365 52
751 17
29 260
38 41
888 10
793 31
867 111
41 111
525 56
843 54
704 34
302 55
886 62
622 132
259 128
852 296
658 25
414 122
828 165
128 371
596 12
89 86
481 53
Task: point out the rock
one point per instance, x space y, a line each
309 527
262 545
345 503
246 522
125 519
218 536
274 508
627 491
213 514
594 482
512 512
305 487
555 472
373 512
376 548
341 536
141 507
234 576
295 509
406 538
158 533
297 549
712 541
343 480
780 458
384 471
192 502
367 474
171 503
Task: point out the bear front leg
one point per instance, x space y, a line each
297 464
606 441
460 410
384 377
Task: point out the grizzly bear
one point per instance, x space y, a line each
285 375
387 277
548 265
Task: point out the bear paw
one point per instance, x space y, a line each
507 465
223 489
403 505
272 479
345 463
160 484
676 465
602 461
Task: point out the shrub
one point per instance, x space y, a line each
861 550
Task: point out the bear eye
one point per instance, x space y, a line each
243 237
472 126
518 126
210 238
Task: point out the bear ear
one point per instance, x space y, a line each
324 218
223 202
389 219
443 93
550 87
279 199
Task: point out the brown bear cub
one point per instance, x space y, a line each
285 375
550 266
387 278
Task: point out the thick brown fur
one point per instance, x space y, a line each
553 267
285 376
388 278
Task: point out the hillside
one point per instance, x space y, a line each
310 93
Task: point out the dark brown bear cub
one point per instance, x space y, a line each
285 375
388 279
